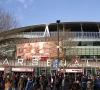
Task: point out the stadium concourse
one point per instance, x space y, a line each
50 50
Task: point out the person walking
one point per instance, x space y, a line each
51 82
20 84
14 83
44 82
97 81
29 85
8 85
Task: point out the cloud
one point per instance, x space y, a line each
32 9
19 9
25 5
19 16
31 0
22 1
8 1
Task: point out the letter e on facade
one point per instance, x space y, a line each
48 62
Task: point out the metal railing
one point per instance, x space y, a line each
76 35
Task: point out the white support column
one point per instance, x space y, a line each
81 28
88 63
46 32
99 29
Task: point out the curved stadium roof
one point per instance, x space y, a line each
52 26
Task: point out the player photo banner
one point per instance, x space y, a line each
37 49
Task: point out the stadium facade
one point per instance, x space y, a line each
34 48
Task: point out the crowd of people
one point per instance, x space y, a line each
51 82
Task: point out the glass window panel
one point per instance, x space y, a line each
79 53
87 48
71 52
95 53
95 48
98 52
83 51
79 50
91 49
83 48
87 53
83 54
91 53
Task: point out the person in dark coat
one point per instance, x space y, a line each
37 79
57 83
76 86
29 85
14 83
66 81
84 82
97 83
44 82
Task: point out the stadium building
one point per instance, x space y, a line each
72 47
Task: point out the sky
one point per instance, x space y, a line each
32 12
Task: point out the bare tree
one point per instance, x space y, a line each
68 45
7 21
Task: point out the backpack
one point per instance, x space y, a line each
44 82
98 81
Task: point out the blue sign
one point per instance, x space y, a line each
56 63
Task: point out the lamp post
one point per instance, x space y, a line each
58 21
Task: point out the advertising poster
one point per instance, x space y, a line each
37 49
